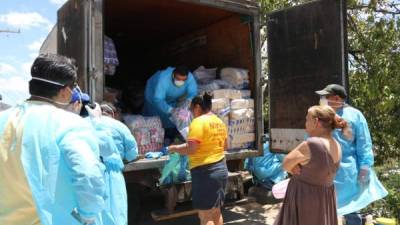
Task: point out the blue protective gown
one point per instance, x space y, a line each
267 168
112 179
48 157
116 141
162 95
122 136
356 153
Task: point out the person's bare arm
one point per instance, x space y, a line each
185 149
298 156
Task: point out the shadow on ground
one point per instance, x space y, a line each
247 214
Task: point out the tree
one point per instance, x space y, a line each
374 71
374 67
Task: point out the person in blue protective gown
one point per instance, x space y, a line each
116 144
267 169
163 92
356 182
122 136
49 158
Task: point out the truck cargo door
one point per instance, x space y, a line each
306 51
80 36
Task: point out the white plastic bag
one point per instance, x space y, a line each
204 75
219 103
279 189
208 87
181 117
239 114
242 104
227 93
239 78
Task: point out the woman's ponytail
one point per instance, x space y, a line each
340 123
205 101
330 120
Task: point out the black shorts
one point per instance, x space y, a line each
208 185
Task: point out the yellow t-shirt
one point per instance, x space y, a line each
211 133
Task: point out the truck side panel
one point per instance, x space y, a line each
72 36
306 52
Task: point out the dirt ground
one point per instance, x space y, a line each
244 214
251 214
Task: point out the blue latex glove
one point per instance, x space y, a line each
153 155
164 150
114 164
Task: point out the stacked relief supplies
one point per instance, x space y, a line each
147 131
239 78
241 124
221 107
207 80
233 104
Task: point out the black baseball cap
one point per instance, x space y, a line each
333 89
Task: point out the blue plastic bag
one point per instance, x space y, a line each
267 170
175 170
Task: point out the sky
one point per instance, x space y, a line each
34 19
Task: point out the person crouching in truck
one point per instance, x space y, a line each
164 90
116 144
207 141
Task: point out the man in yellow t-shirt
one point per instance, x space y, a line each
205 148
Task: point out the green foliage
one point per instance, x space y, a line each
374 47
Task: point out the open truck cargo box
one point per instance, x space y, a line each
307 49
150 35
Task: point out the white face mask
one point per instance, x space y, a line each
323 101
179 83
63 104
